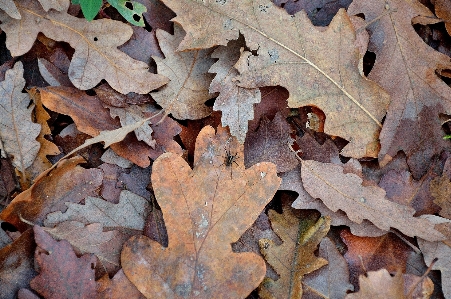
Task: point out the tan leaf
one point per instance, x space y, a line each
10 8
236 103
96 55
119 287
345 192
205 209
91 239
17 132
59 5
184 96
295 257
130 212
380 285
134 114
441 190
406 68
318 67
440 250
41 163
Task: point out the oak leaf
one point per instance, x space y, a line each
91 239
332 280
10 8
130 212
380 285
17 132
96 55
184 96
119 287
62 273
441 191
236 103
205 210
317 67
406 68
344 191
295 257
66 183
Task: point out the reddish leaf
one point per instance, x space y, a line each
62 273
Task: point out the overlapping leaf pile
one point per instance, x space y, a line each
204 114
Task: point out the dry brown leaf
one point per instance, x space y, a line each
406 68
205 210
330 281
41 163
317 67
62 273
295 257
380 285
68 182
130 212
345 192
59 5
17 132
119 287
440 250
91 239
10 8
96 55
443 11
270 143
185 95
441 190
236 103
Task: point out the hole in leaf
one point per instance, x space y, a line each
129 5
360 15
6 226
368 62
90 92
96 39
136 18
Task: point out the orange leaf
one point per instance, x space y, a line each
205 209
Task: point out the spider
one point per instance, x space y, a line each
229 159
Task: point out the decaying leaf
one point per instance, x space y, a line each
441 190
270 143
318 67
205 210
345 192
91 239
185 95
381 285
10 8
236 103
62 273
130 212
96 55
68 182
17 132
119 287
332 280
295 257
406 68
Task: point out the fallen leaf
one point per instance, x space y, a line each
441 191
17 132
93 119
371 254
345 192
142 45
380 285
59 5
203 211
62 273
17 265
130 212
440 250
317 67
330 281
118 287
91 239
236 103
295 257
158 15
66 183
406 68
443 11
270 143
113 98
52 75
10 8
96 55
185 95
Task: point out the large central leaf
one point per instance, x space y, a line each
318 67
